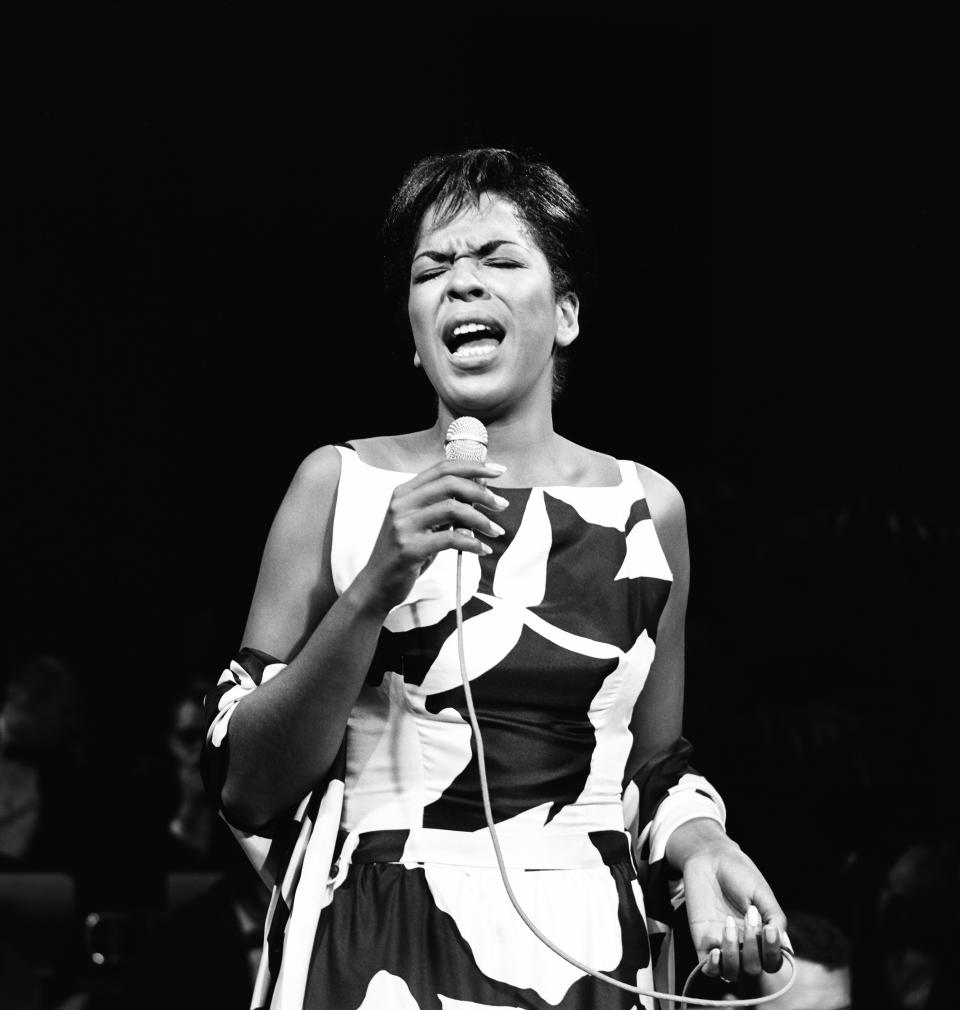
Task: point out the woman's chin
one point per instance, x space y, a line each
492 393
483 403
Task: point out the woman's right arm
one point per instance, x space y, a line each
285 735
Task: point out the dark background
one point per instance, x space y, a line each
197 305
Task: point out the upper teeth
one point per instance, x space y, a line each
469 328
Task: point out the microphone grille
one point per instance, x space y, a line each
467 427
466 440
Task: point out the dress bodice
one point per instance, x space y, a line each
560 625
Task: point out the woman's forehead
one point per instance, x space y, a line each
492 217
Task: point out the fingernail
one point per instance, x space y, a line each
500 502
715 958
730 930
753 917
486 548
770 934
495 467
498 531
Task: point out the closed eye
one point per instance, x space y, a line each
500 264
427 275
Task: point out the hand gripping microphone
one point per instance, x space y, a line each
467 440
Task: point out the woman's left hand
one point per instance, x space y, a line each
728 904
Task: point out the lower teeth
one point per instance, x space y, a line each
475 349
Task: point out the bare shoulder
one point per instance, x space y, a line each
294 587
409 452
317 476
310 498
662 494
667 511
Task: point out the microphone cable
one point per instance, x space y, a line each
683 999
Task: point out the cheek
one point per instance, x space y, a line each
420 320
539 311
418 312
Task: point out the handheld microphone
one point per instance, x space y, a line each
466 441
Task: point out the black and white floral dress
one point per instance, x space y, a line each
386 892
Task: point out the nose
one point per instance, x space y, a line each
463 282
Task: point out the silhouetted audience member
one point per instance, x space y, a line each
192 828
904 948
823 958
166 818
203 952
44 830
41 760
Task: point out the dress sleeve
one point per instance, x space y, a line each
267 846
245 674
665 793
298 847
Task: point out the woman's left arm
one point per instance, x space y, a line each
721 883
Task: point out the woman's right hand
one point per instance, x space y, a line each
429 513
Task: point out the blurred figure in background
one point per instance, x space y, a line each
191 830
823 956
905 943
183 923
41 759
166 817
44 831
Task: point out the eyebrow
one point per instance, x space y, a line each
484 250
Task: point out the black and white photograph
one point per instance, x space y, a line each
480 523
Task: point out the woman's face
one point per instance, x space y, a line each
482 309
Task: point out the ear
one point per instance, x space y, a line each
416 360
568 319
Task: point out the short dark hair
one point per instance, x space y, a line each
548 207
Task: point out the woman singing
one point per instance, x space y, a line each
339 746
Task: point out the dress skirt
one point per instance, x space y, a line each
407 932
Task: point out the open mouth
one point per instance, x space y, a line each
472 338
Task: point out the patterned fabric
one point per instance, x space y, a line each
297 849
559 627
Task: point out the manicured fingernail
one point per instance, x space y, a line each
715 958
501 503
497 531
495 467
486 548
753 917
730 930
770 934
